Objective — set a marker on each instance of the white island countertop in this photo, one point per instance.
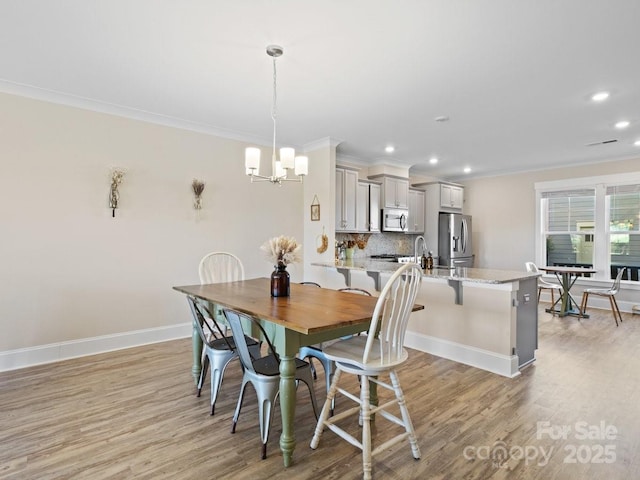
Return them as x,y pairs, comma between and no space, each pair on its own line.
483,317
464,274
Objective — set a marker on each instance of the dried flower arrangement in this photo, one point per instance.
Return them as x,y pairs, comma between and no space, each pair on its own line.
116,179
198,188
282,251
358,239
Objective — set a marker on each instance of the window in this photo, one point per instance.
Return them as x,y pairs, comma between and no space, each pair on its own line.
624,226
592,222
569,226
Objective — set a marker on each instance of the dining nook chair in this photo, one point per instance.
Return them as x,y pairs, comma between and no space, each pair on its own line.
605,292
369,357
218,348
263,372
219,267
315,351
543,284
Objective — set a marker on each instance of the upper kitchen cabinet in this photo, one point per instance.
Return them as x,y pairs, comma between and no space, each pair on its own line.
368,207
443,197
415,223
346,199
451,196
375,192
395,191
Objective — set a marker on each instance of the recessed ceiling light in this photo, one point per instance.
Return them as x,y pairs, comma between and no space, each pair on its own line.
600,96
637,143
623,124
433,160
389,149
467,169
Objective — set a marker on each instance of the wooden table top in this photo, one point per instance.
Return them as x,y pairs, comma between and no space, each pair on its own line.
307,310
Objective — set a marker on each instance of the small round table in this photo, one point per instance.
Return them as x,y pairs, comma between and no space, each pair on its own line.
567,276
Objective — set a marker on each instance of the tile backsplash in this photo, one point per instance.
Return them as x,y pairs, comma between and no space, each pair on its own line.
380,243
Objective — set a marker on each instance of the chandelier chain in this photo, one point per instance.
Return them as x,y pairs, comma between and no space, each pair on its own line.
274,110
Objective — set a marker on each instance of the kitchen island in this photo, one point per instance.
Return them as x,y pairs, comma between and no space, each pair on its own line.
481,317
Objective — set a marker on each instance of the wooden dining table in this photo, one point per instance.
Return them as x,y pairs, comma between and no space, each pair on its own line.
567,276
308,316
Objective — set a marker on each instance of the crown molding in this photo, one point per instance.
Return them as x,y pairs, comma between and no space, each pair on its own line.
52,96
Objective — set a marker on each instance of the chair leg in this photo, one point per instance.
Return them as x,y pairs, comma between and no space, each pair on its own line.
266,393
203,373
326,409
236,414
615,310
408,425
216,383
552,298
365,408
539,292
306,377
583,303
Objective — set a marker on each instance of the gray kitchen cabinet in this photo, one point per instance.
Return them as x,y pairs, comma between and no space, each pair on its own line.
415,222
395,192
368,207
346,199
451,196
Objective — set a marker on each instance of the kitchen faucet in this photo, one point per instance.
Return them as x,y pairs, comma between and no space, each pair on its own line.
415,248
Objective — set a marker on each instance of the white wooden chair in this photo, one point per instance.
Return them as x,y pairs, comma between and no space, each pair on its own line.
315,351
378,353
215,267
605,292
218,267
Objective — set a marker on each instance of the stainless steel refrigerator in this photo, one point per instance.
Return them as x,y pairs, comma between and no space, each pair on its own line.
455,247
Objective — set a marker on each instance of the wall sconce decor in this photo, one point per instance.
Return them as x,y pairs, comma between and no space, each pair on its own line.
116,179
315,209
198,188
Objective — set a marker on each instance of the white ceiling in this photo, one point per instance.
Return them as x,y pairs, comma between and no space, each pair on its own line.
513,76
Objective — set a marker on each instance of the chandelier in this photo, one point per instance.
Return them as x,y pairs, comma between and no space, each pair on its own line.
288,160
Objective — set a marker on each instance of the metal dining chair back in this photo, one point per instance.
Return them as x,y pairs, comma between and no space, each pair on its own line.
263,372
218,349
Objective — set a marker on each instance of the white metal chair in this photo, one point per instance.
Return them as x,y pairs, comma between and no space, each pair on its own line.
369,357
543,284
315,351
264,374
605,292
218,349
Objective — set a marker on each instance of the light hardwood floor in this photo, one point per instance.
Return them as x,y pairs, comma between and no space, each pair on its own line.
133,414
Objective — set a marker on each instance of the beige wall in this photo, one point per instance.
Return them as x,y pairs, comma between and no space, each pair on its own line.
503,210
71,271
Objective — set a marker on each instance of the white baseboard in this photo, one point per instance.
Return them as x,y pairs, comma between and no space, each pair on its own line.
505,365
54,352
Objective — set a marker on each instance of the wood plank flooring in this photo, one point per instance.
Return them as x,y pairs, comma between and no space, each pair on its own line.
133,414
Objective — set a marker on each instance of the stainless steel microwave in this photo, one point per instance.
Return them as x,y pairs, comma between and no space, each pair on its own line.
394,219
